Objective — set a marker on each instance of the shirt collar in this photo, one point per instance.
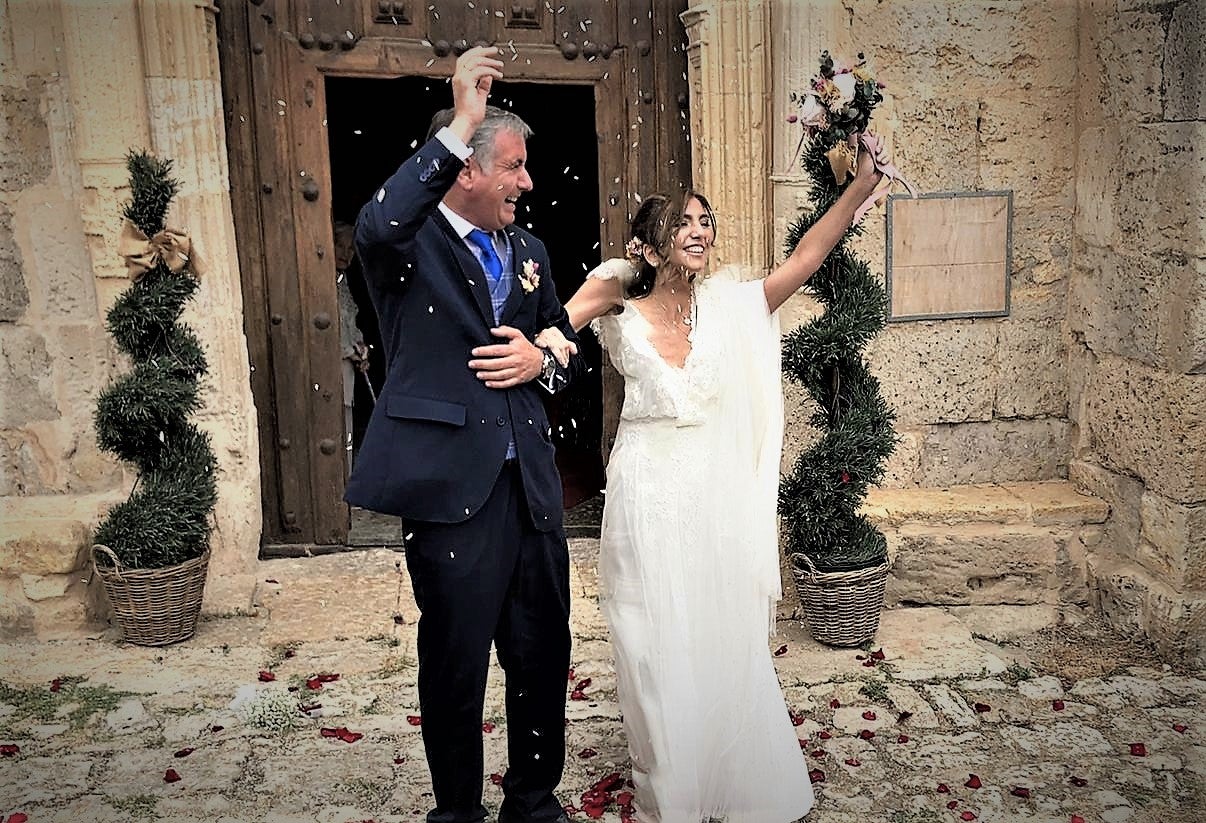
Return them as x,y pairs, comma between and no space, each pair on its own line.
460,225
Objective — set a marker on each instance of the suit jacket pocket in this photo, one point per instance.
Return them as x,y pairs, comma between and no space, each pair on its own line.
421,408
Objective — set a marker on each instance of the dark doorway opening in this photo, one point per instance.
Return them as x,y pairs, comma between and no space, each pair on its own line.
373,125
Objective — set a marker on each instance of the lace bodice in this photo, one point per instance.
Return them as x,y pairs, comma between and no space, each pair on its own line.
654,389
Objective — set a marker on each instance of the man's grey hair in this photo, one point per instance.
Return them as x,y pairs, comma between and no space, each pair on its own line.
482,142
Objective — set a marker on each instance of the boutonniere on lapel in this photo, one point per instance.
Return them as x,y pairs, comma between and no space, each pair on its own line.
529,278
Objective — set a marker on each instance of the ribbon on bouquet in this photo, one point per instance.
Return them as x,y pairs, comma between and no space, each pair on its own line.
883,163
171,247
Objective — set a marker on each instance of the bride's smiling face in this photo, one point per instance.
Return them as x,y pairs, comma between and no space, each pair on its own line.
693,239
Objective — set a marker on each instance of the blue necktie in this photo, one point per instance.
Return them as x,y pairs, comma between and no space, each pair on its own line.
490,261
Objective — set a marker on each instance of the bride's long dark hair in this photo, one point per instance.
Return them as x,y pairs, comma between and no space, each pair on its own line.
656,223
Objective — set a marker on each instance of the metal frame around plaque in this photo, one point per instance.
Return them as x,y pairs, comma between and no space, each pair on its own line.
1008,195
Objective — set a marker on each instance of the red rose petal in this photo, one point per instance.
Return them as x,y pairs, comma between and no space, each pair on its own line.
171,776
904,738
309,707
398,761
1018,791
952,804
609,783
1057,705
496,779
185,752
1076,819
878,654
414,719
487,727
267,677
818,754
835,703
803,744
577,694
1138,750
587,753
824,735
571,675
981,708
9,750
1180,727
56,684
313,684
583,683
973,782
943,788
18,817
816,776
869,664
797,718
967,816
399,620
866,734
625,798
868,715
782,650
216,729
1078,781
852,761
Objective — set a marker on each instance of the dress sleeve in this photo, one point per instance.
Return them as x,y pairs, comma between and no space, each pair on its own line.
621,271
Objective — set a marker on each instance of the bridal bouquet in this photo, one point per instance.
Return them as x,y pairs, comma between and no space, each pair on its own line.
836,108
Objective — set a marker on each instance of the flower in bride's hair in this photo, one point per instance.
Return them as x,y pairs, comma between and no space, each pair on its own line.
634,250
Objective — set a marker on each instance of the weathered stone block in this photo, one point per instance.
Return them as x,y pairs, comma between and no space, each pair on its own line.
1097,184
937,371
1001,451
974,565
902,467
1150,424
49,534
1131,66
1173,541
1184,56
25,136
1142,306
1123,494
1162,175
14,295
50,231
47,586
1031,357
1132,599
26,380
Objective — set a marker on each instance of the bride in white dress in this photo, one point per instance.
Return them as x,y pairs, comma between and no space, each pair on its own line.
689,557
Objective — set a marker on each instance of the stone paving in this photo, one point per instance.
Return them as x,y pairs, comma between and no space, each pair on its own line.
986,714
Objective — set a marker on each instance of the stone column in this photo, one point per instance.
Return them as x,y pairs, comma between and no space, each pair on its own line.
186,123
729,71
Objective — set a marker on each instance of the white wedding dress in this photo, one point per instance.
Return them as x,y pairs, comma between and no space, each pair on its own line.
688,564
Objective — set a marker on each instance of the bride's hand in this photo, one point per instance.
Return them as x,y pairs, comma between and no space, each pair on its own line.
553,340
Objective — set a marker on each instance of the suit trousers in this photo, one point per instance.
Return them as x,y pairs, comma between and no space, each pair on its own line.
493,578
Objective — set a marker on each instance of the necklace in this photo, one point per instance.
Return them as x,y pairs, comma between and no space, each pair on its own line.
680,319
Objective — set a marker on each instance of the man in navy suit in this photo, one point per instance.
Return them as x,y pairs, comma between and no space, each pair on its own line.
460,448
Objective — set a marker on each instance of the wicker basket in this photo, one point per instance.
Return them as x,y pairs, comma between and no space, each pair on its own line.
842,607
154,607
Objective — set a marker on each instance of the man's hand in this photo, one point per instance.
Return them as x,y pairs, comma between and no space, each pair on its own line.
553,340
476,70
505,365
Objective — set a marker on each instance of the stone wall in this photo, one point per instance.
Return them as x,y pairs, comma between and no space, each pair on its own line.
1137,312
71,111
981,96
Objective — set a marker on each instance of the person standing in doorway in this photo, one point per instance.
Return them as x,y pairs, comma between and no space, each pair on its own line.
354,353
459,445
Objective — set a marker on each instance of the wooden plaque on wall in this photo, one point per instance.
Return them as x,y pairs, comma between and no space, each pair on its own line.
949,255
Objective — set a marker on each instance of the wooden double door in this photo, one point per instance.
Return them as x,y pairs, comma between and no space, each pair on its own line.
323,100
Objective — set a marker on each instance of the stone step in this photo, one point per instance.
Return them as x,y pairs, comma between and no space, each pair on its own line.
990,544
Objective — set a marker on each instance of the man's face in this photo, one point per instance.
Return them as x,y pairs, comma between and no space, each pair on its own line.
495,190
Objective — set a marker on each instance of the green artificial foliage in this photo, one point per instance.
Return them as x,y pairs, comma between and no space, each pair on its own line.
820,497
142,416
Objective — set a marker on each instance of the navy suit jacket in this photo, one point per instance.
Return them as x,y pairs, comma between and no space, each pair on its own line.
438,437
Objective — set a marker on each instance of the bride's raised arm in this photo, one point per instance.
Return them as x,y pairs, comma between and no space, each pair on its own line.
602,293
819,240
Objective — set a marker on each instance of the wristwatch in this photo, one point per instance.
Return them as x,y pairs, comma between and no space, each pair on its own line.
548,368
